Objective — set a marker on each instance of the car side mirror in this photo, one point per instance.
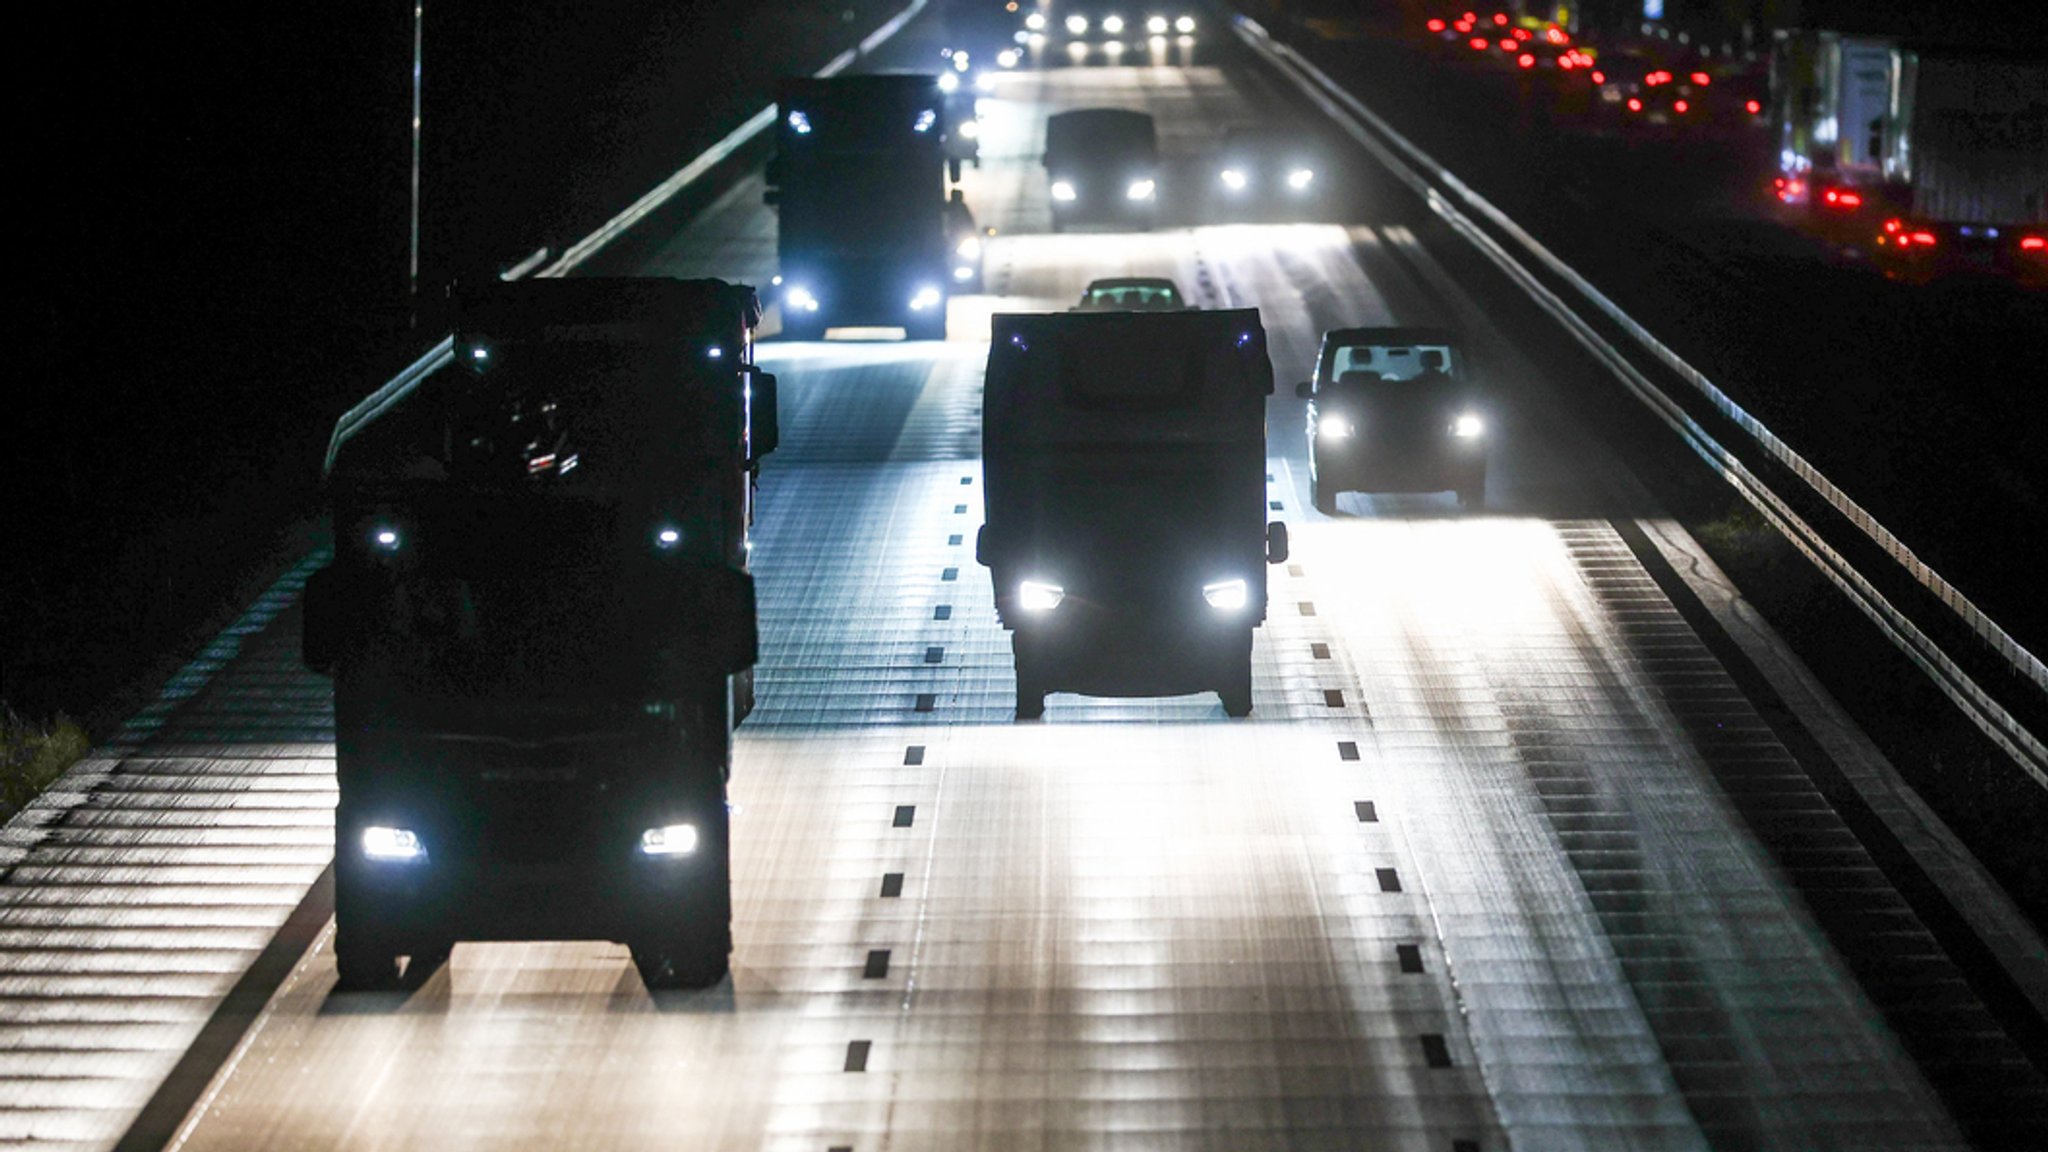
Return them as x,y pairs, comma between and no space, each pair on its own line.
1276,543
1305,389
763,433
321,622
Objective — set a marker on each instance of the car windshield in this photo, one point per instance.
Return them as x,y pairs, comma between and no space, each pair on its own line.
1389,361
1132,296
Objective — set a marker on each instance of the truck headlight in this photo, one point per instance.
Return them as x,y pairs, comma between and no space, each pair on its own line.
1468,427
1062,191
669,840
1225,595
1184,25
381,842
1038,596
1234,179
926,297
1299,178
1139,190
1333,428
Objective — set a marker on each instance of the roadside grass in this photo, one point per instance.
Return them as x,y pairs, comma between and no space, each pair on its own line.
33,755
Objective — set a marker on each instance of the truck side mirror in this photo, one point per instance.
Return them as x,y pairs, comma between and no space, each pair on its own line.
321,625
1305,389
953,168
732,640
983,549
763,432
1276,543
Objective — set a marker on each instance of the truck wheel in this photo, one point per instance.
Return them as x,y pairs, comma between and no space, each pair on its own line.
1030,684
1237,693
364,965
1322,496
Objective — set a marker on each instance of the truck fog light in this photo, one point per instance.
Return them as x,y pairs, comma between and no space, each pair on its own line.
1468,427
1038,596
1333,428
1226,595
669,840
382,843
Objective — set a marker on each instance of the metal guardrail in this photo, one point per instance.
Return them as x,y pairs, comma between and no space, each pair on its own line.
440,355
1444,193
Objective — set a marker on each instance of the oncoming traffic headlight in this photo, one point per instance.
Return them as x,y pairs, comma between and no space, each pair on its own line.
1077,25
1139,190
669,840
1114,25
798,298
1035,21
1299,178
1184,25
1062,191
1225,595
1333,428
925,297
1234,179
386,539
1039,596
1468,426
385,843
1156,25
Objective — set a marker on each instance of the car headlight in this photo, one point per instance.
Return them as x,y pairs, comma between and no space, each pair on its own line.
1468,427
969,248
386,843
1139,190
925,297
963,273
1225,595
1035,21
1299,178
1234,179
1156,25
1114,25
1077,25
1008,57
1062,191
386,538
1333,428
1038,596
669,840
1184,25
986,81
668,537
948,82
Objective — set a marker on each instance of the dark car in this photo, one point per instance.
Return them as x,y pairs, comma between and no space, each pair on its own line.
1394,410
1265,174
1103,168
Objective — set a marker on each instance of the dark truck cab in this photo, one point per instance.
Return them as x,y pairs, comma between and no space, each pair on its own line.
1124,489
541,627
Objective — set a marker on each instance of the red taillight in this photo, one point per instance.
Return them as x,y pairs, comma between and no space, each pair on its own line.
1635,105
1754,107
1702,79
1521,33
2033,244
1479,45
1436,25
1656,78
1469,17
1463,26
1567,63
1599,77
1500,19
1841,198
1510,46
1556,36
1526,60
1681,107
1924,239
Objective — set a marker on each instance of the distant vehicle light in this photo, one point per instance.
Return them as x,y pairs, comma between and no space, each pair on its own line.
1635,105
480,353
1035,21
1225,595
1300,178
382,843
1184,24
1463,27
1039,596
985,81
948,82
1500,19
1468,427
1007,58
1681,107
971,130
385,538
1521,33
1526,60
798,297
925,120
1139,190
1753,106
960,61
1599,77
1114,25
1433,26
800,122
1333,428
1234,179
1924,239
925,297
1557,35
1702,79
963,273
1156,25
1839,198
969,248
1077,25
667,537
2033,244
669,840
1062,191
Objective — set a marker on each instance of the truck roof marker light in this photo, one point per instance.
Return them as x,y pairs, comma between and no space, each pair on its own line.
669,840
1226,595
667,537
799,122
1039,596
384,843
925,120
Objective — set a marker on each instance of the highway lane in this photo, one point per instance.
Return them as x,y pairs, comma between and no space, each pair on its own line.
1465,876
